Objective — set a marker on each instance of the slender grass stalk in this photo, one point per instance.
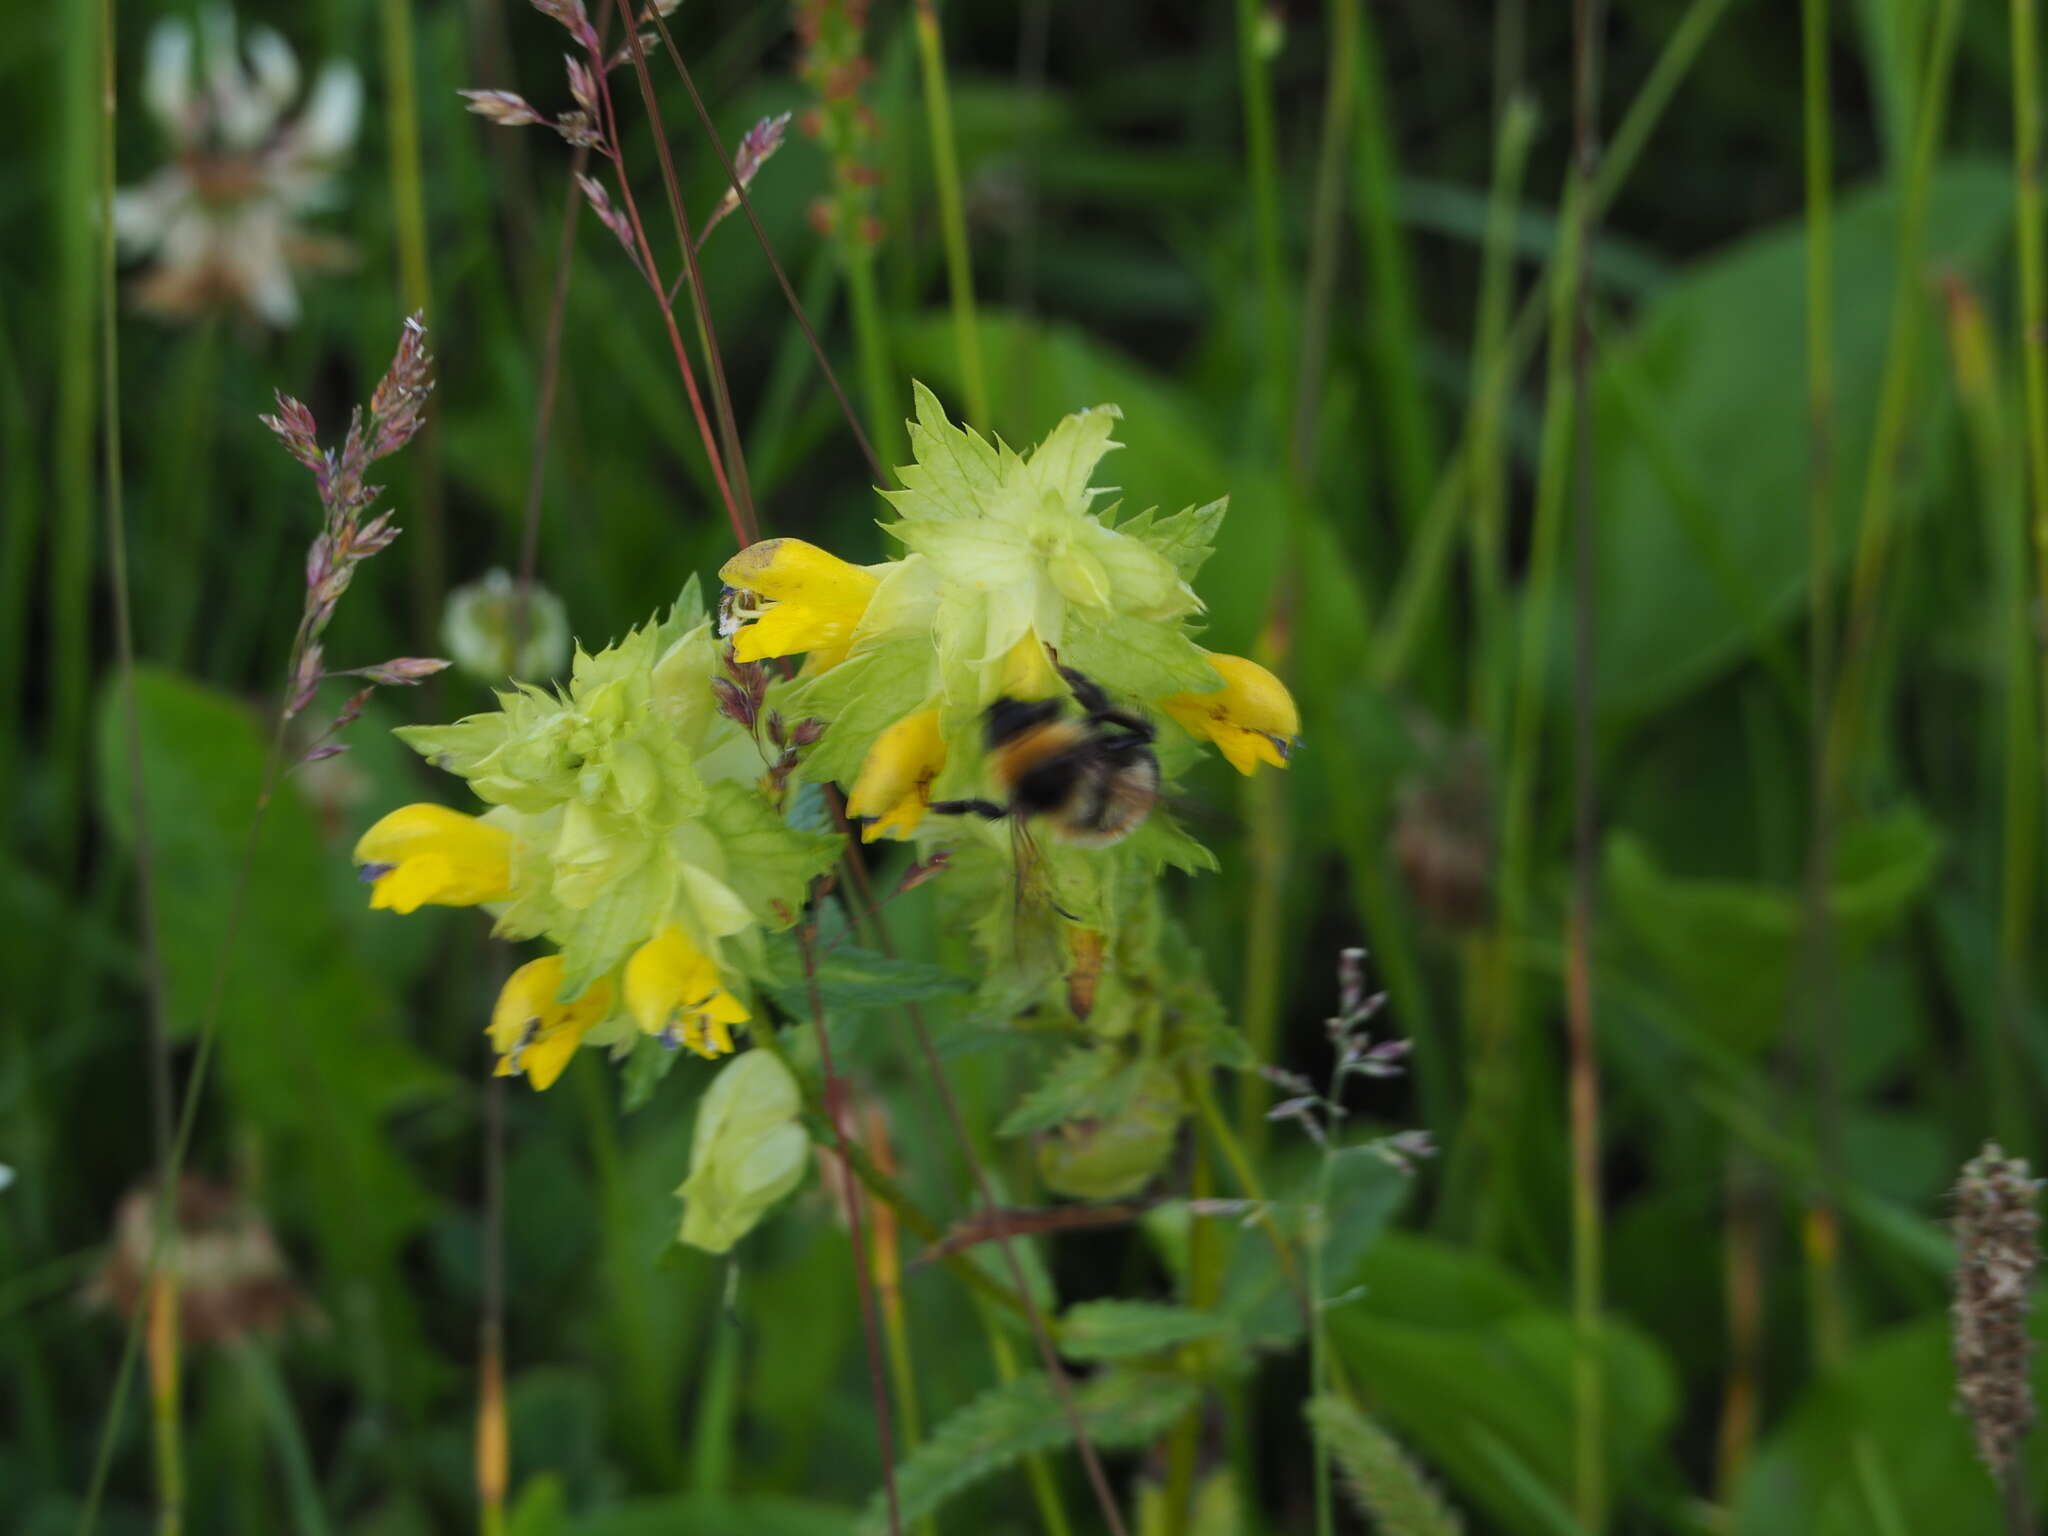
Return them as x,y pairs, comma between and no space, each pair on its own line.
1393,328
161,1304
1895,407
70,526
18,543
2033,254
1513,135
2009,737
1483,957
938,110
1325,226
409,213
1262,166
711,1449
871,347
700,301
1269,844
1419,586
1743,1282
651,271
870,343
1588,1237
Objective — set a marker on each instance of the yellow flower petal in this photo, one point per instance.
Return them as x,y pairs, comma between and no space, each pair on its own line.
1025,672
895,781
815,600
1251,718
673,991
532,1032
421,854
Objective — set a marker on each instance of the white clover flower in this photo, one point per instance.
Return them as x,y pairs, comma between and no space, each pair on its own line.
221,222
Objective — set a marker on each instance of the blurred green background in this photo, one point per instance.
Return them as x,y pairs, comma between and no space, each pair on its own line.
1338,319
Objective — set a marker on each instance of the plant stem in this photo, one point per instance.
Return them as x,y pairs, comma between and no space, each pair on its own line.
161,1295
2033,253
931,57
1587,1234
1895,402
1262,166
1420,583
409,211
1410,440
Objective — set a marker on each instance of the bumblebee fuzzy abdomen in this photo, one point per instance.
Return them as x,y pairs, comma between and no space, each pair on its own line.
1037,765
1110,800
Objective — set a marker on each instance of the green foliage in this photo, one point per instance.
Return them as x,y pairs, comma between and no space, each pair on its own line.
1124,1330
311,1053
1119,1408
1385,1485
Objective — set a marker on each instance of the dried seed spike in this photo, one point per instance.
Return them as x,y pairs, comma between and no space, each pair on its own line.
1998,1250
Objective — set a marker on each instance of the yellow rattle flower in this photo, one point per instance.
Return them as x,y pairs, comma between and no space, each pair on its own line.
895,781
1251,718
815,600
427,854
534,1034
674,992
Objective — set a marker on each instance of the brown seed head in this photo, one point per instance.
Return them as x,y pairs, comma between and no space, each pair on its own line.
1997,1233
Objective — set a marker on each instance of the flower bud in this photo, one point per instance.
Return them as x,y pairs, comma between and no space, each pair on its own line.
483,630
749,1152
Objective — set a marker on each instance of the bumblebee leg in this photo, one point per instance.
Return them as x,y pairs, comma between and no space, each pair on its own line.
987,810
1087,692
1140,729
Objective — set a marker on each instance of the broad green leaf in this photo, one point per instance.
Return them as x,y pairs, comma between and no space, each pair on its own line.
311,1053
1728,949
1884,1426
851,979
1701,423
1119,1408
1082,1082
1448,1346
1122,1330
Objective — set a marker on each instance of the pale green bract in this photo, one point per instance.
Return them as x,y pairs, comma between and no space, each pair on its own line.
1000,545
749,1151
632,803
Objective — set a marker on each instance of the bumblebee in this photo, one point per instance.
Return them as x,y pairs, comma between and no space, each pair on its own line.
1093,780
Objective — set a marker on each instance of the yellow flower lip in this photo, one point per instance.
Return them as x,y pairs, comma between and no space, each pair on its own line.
534,1034
421,855
1252,718
894,785
815,600
674,993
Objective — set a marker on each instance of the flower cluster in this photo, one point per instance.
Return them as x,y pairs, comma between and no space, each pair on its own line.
1011,576
221,222
630,825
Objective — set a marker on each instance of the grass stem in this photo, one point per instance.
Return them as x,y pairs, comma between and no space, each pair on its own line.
938,108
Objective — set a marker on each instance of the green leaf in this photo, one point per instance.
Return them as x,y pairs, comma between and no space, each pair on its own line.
768,862
852,979
1883,1426
1148,661
1119,1408
1259,1290
859,699
1122,1330
311,1055
1187,538
1701,416
1386,1486
1455,1350
1081,1083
